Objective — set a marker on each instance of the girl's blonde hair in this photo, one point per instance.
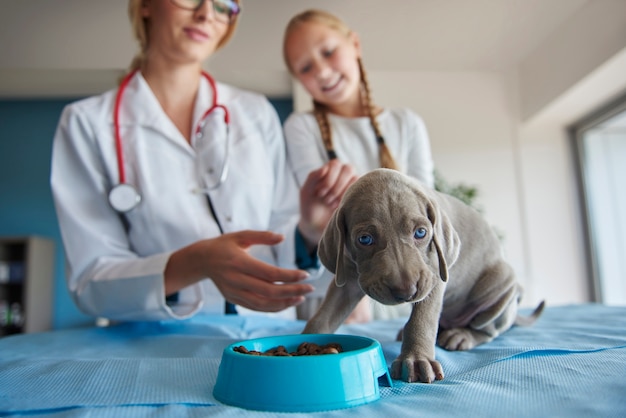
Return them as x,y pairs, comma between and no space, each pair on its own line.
320,111
140,31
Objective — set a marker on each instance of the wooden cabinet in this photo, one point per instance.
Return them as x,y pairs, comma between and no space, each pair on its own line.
26,284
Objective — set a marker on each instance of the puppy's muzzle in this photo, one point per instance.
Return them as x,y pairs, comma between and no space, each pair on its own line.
407,293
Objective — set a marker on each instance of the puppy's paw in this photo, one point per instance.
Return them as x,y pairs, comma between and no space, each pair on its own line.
458,339
416,368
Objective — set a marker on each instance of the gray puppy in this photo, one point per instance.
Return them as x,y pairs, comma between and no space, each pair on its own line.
400,242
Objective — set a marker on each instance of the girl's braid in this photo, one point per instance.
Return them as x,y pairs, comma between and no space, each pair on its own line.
321,116
386,159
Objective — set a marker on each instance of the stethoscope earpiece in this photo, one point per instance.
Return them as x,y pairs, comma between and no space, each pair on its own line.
123,197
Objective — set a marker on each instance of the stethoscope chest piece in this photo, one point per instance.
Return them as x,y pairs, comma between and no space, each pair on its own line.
124,197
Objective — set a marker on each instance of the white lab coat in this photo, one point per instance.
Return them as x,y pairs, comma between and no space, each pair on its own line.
115,262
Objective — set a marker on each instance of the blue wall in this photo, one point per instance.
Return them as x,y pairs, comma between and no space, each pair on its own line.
26,208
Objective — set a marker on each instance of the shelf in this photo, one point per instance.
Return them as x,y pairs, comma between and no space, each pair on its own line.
26,283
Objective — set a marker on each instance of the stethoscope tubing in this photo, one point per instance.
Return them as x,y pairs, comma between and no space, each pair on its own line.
123,196
116,124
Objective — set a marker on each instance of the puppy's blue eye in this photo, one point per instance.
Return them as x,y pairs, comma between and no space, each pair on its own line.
366,239
419,233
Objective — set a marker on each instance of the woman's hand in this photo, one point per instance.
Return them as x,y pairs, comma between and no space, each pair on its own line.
241,278
320,196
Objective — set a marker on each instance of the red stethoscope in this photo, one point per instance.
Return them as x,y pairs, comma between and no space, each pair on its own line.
123,197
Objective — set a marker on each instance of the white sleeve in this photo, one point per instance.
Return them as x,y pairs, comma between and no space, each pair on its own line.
305,150
105,277
420,157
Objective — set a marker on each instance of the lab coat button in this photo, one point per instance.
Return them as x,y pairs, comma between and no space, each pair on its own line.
229,219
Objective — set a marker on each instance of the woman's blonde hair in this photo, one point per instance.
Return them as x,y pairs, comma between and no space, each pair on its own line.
320,111
140,31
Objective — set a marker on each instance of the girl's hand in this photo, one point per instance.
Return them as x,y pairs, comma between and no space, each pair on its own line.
241,278
320,196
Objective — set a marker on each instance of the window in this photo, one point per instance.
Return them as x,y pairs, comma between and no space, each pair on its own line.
600,146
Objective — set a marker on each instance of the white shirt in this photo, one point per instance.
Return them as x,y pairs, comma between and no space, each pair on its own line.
115,262
354,142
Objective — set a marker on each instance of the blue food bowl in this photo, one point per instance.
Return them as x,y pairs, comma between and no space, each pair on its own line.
302,383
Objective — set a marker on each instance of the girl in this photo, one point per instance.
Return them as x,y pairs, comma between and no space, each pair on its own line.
167,188
324,55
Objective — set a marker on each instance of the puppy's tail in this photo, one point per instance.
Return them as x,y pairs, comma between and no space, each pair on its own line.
526,321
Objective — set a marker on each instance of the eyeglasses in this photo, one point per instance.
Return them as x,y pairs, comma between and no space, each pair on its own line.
225,11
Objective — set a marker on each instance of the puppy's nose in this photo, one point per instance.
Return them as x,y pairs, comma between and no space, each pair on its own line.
405,293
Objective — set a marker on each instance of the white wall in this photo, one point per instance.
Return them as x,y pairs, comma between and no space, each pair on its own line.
549,182
580,45
77,48
575,71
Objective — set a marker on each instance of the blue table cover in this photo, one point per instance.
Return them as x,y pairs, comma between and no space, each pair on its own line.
571,363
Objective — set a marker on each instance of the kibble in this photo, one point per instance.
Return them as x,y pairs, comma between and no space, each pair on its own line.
304,349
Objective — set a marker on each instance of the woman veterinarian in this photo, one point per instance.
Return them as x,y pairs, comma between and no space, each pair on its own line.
167,188
324,55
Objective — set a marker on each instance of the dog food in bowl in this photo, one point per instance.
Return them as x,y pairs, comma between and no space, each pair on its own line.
304,349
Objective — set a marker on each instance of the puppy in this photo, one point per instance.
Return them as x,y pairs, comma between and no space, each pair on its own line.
400,242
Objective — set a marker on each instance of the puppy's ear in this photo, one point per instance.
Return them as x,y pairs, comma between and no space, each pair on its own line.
331,250
445,239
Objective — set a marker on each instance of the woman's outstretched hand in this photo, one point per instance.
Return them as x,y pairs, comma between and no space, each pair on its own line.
241,278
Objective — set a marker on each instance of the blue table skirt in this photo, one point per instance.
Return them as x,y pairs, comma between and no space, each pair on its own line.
572,362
